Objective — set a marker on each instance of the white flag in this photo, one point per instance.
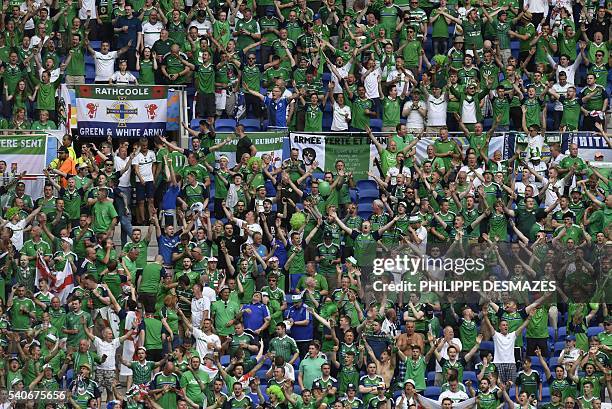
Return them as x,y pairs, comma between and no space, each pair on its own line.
64,282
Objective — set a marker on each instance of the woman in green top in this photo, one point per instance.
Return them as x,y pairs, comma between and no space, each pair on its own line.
21,98
255,177
314,112
146,65
170,321
20,121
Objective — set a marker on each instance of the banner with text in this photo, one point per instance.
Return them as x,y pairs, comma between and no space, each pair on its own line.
325,150
266,142
121,110
589,144
25,153
358,152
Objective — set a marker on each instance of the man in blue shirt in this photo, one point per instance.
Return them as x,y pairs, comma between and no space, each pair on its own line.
277,106
301,324
256,316
128,28
167,241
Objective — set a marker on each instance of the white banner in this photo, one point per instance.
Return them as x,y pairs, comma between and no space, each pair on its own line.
266,142
121,111
358,152
25,153
590,144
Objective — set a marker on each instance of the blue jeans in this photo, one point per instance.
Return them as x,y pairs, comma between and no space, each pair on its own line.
125,218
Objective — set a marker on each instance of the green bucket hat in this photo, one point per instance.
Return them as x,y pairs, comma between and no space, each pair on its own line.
10,213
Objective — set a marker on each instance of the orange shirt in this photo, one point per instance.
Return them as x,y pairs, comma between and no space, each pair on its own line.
69,168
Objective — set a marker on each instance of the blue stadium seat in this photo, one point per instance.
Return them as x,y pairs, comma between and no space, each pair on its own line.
561,331
559,345
487,346
470,376
195,123
318,175
95,45
353,195
364,207
368,194
431,377
432,392
225,125
365,215
225,360
376,124
545,394
592,331
366,201
553,361
251,125
366,184
536,365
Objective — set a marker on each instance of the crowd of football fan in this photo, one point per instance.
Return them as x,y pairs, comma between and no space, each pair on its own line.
297,62
259,292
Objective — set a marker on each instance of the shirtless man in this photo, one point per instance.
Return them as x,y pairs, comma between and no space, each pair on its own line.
385,366
406,340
